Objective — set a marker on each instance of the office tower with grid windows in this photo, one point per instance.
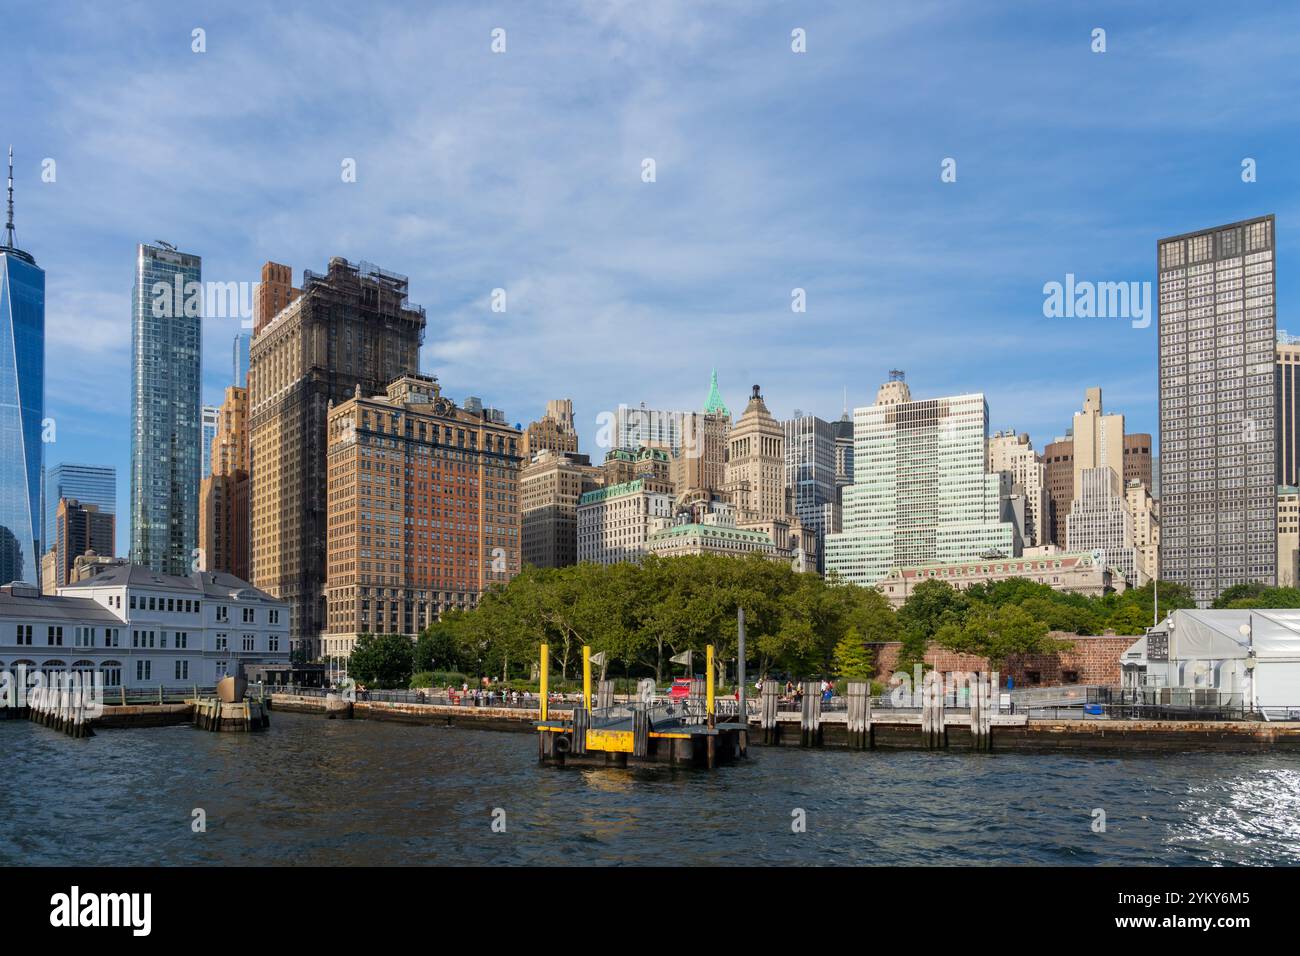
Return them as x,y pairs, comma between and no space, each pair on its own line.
810,475
1218,443
921,492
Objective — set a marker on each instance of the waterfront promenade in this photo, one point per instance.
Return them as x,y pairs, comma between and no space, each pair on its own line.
893,728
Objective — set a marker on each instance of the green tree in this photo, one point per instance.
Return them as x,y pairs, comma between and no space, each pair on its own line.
1129,619
1232,596
999,633
382,661
436,649
853,661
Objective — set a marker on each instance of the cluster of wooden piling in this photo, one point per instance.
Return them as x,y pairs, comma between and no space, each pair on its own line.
61,708
861,724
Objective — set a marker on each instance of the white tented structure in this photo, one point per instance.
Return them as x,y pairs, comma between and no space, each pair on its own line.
1248,659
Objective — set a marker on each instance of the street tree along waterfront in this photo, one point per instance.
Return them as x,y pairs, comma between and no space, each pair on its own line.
641,614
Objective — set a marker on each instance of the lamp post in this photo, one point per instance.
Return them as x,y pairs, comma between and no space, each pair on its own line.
1247,631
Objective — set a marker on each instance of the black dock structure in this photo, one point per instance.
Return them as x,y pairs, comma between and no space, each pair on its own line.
683,733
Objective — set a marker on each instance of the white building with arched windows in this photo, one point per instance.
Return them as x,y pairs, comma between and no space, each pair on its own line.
141,629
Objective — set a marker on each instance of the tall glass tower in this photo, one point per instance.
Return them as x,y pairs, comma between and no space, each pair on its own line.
22,403
166,305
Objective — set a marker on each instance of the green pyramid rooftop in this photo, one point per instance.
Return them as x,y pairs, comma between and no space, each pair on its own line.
714,404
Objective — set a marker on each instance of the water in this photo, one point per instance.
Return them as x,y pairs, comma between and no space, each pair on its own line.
338,792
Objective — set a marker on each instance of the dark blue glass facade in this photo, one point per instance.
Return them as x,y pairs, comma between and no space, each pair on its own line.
22,410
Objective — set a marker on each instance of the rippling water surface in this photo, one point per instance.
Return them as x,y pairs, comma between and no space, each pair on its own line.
315,791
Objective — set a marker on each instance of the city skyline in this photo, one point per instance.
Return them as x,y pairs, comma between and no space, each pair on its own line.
881,245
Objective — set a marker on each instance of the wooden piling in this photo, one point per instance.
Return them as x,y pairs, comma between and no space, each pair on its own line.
604,694
811,718
859,715
933,728
981,714
767,713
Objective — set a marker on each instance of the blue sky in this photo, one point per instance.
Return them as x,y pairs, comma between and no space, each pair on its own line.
775,170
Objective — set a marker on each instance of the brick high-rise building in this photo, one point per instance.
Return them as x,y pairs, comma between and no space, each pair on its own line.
1218,395
1138,459
350,328
274,292
1058,475
223,497
80,527
423,510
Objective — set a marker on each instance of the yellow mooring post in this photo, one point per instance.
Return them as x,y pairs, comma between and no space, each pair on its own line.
709,678
586,677
546,661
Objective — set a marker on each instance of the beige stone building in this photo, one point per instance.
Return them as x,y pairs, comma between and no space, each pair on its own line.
755,467
1288,536
554,431
352,327
1146,526
1062,571
550,487
626,464
423,504
1098,438
1013,454
615,522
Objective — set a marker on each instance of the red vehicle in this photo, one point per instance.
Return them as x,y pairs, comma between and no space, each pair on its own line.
681,689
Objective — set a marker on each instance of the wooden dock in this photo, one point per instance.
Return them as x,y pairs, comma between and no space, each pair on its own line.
860,727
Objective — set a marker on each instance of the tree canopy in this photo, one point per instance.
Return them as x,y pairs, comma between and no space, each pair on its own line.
641,614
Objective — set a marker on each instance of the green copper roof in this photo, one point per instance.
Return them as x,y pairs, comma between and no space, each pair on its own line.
714,404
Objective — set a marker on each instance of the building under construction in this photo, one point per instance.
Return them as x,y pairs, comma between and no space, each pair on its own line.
350,328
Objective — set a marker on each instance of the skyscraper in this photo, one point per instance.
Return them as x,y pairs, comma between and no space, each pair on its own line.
1218,454
211,420
90,484
22,404
81,527
920,491
555,430
810,474
223,495
423,510
166,306
1013,454
352,328
1288,409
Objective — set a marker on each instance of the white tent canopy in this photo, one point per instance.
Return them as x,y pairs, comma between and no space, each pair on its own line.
1217,635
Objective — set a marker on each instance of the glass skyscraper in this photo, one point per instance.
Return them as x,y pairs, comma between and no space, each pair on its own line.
166,305
89,484
22,404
